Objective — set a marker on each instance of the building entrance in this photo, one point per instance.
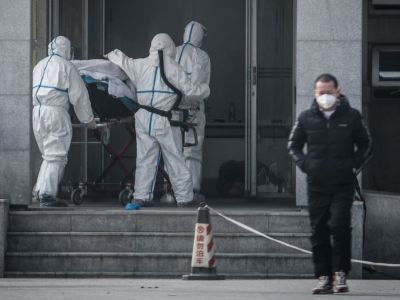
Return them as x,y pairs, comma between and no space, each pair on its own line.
250,109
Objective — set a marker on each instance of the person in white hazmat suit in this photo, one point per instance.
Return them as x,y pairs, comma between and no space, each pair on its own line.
196,64
56,83
154,134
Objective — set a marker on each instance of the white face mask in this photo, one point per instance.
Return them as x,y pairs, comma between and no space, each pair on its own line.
326,101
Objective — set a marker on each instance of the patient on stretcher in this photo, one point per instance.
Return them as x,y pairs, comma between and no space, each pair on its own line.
111,93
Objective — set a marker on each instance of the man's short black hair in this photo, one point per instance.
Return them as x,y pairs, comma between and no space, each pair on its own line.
326,77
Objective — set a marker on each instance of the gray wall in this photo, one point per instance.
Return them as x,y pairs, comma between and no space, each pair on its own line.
15,99
329,40
357,238
382,235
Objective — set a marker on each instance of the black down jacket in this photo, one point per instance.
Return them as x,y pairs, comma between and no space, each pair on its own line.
335,146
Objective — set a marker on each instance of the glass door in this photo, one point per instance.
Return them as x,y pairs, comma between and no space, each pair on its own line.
82,21
269,97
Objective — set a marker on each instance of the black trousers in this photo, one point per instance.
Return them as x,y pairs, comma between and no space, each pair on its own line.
330,218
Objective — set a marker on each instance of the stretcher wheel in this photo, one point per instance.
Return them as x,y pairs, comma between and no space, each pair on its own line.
125,196
77,196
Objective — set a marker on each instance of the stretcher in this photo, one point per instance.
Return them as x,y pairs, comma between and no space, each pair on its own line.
110,111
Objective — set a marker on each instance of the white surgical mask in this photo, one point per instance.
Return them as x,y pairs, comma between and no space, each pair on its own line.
326,101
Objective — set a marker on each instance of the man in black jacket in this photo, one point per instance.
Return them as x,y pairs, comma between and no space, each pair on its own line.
337,144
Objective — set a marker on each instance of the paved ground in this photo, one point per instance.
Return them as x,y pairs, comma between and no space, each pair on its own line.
161,289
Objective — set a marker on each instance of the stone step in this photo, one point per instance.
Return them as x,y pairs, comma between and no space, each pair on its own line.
156,263
152,243
157,275
142,242
152,221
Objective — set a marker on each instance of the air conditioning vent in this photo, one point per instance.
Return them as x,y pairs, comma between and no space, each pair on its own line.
386,66
386,3
385,6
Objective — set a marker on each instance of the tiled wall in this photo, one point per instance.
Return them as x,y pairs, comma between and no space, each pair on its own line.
328,40
15,99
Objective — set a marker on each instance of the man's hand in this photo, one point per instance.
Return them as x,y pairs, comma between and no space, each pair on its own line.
91,124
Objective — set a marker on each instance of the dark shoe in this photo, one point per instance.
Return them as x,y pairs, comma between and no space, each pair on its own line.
148,203
168,200
193,203
199,197
143,203
59,203
35,197
44,203
46,200
340,285
324,286
51,201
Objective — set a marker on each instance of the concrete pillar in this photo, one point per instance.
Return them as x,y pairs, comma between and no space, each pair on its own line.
357,224
4,204
15,101
328,40
382,235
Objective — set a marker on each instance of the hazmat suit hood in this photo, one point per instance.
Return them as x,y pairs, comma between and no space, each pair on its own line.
162,41
194,34
60,46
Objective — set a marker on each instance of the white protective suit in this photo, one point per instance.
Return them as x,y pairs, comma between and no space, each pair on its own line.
56,82
154,134
196,63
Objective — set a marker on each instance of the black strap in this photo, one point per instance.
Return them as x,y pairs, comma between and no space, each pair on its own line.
170,85
157,111
185,126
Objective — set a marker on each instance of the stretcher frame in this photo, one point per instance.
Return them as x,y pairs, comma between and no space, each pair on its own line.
102,134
